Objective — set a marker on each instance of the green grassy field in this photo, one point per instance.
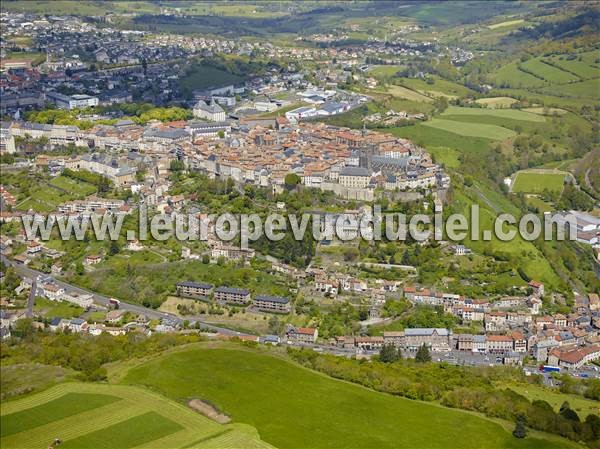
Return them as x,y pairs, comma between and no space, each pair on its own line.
469,129
62,407
293,407
24,378
509,75
53,309
385,71
203,77
525,254
506,24
545,111
434,137
131,432
80,8
548,72
439,87
584,89
45,196
496,102
408,94
73,186
531,182
580,68
113,417
541,205
511,114
582,406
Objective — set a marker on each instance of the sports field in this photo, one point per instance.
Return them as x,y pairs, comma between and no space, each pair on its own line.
294,407
383,71
532,182
113,416
471,129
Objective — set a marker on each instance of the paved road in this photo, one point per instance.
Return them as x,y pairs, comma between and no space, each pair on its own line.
31,300
104,301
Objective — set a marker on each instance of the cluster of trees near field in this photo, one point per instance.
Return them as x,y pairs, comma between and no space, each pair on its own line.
467,388
140,113
82,352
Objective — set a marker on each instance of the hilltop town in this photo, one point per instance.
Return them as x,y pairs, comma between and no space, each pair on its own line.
119,119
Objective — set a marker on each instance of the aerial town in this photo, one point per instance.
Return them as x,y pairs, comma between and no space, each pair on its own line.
204,109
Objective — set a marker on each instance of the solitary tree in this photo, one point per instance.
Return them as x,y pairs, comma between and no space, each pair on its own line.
292,180
389,354
520,429
567,412
423,354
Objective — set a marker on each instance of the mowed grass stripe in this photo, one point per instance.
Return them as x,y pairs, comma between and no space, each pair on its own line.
135,401
493,132
73,426
129,433
68,405
236,439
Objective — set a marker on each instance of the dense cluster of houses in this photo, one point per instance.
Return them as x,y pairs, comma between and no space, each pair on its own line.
350,163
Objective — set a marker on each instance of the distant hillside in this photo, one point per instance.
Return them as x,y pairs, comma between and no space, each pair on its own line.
588,21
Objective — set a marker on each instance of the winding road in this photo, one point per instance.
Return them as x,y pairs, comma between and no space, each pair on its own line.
104,301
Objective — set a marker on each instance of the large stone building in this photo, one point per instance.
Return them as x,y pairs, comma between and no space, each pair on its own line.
212,111
436,339
354,177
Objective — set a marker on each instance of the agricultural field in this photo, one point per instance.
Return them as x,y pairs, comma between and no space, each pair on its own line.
113,416
471,129
496,102
550,99
510,75
579,68
511,114
545,111
80,8
328,412
438,138
404,92
438,88
547,72
583,89
535,182
508,23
